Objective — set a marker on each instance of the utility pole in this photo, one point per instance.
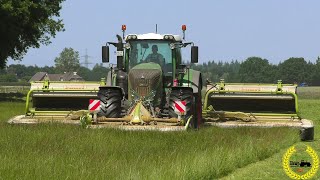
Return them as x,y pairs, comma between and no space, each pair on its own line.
86,61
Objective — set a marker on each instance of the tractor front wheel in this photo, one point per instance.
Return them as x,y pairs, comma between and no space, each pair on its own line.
110,99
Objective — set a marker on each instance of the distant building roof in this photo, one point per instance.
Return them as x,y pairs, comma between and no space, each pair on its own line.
38,76
72,77
68,76
55,77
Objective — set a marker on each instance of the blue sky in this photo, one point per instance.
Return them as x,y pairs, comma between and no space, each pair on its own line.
223,29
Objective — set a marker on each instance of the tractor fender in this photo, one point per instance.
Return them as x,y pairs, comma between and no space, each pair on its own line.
109,79
195,78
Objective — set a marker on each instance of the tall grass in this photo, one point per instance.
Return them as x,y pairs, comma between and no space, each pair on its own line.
56,151
311,92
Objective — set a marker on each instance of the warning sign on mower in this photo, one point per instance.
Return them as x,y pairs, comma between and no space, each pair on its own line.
180,107
94,105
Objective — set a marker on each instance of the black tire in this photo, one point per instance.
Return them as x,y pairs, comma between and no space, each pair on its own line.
198,110
307,133
110,102
183,94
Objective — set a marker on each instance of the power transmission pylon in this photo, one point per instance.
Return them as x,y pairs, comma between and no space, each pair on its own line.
86,61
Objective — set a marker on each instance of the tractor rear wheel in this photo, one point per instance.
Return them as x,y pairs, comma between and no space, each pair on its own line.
183,94
110,102
198,110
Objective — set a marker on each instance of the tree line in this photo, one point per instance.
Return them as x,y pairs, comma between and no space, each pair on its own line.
22,73
252,70
259,70
67,61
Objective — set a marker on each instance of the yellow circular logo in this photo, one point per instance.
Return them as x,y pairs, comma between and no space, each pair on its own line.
287,163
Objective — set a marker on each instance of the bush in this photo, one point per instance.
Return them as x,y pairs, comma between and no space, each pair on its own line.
8,78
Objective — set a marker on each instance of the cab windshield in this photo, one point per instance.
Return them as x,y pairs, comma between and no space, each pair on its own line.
150,51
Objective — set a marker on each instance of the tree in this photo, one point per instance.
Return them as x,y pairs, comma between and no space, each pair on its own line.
234,72
316,73
68,61
8,78
48,69
294,70
27,24
18,69
256,70
85,73
98,72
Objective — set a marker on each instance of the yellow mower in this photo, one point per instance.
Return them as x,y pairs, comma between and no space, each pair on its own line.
57,101
255,105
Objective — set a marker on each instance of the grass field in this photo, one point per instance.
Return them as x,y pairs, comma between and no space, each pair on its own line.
55,151
271,168
311,92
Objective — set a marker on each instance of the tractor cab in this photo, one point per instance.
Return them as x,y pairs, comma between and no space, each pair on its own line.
153,51
156,51
164,50
154,58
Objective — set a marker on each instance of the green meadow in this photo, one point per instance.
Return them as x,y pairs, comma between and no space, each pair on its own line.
59,151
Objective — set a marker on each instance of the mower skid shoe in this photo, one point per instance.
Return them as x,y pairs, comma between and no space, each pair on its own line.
307,133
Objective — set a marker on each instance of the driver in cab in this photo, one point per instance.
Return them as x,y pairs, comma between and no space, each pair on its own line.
155,56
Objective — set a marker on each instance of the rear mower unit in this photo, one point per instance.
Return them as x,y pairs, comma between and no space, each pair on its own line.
255,105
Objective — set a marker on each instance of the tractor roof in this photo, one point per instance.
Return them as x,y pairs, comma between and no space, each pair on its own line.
152,36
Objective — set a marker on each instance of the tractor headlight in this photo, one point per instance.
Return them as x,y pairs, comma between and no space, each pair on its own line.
131,37
168,37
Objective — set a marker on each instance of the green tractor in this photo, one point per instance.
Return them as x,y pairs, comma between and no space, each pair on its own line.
150,87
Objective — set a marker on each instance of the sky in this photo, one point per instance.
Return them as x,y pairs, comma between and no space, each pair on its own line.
224,30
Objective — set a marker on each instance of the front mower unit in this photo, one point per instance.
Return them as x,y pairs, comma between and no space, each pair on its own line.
139,118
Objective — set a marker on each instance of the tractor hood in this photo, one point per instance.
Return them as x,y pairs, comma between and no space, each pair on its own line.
147,66
145,78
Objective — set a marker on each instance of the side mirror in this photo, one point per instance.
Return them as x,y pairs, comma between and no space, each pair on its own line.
194,54
105,54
